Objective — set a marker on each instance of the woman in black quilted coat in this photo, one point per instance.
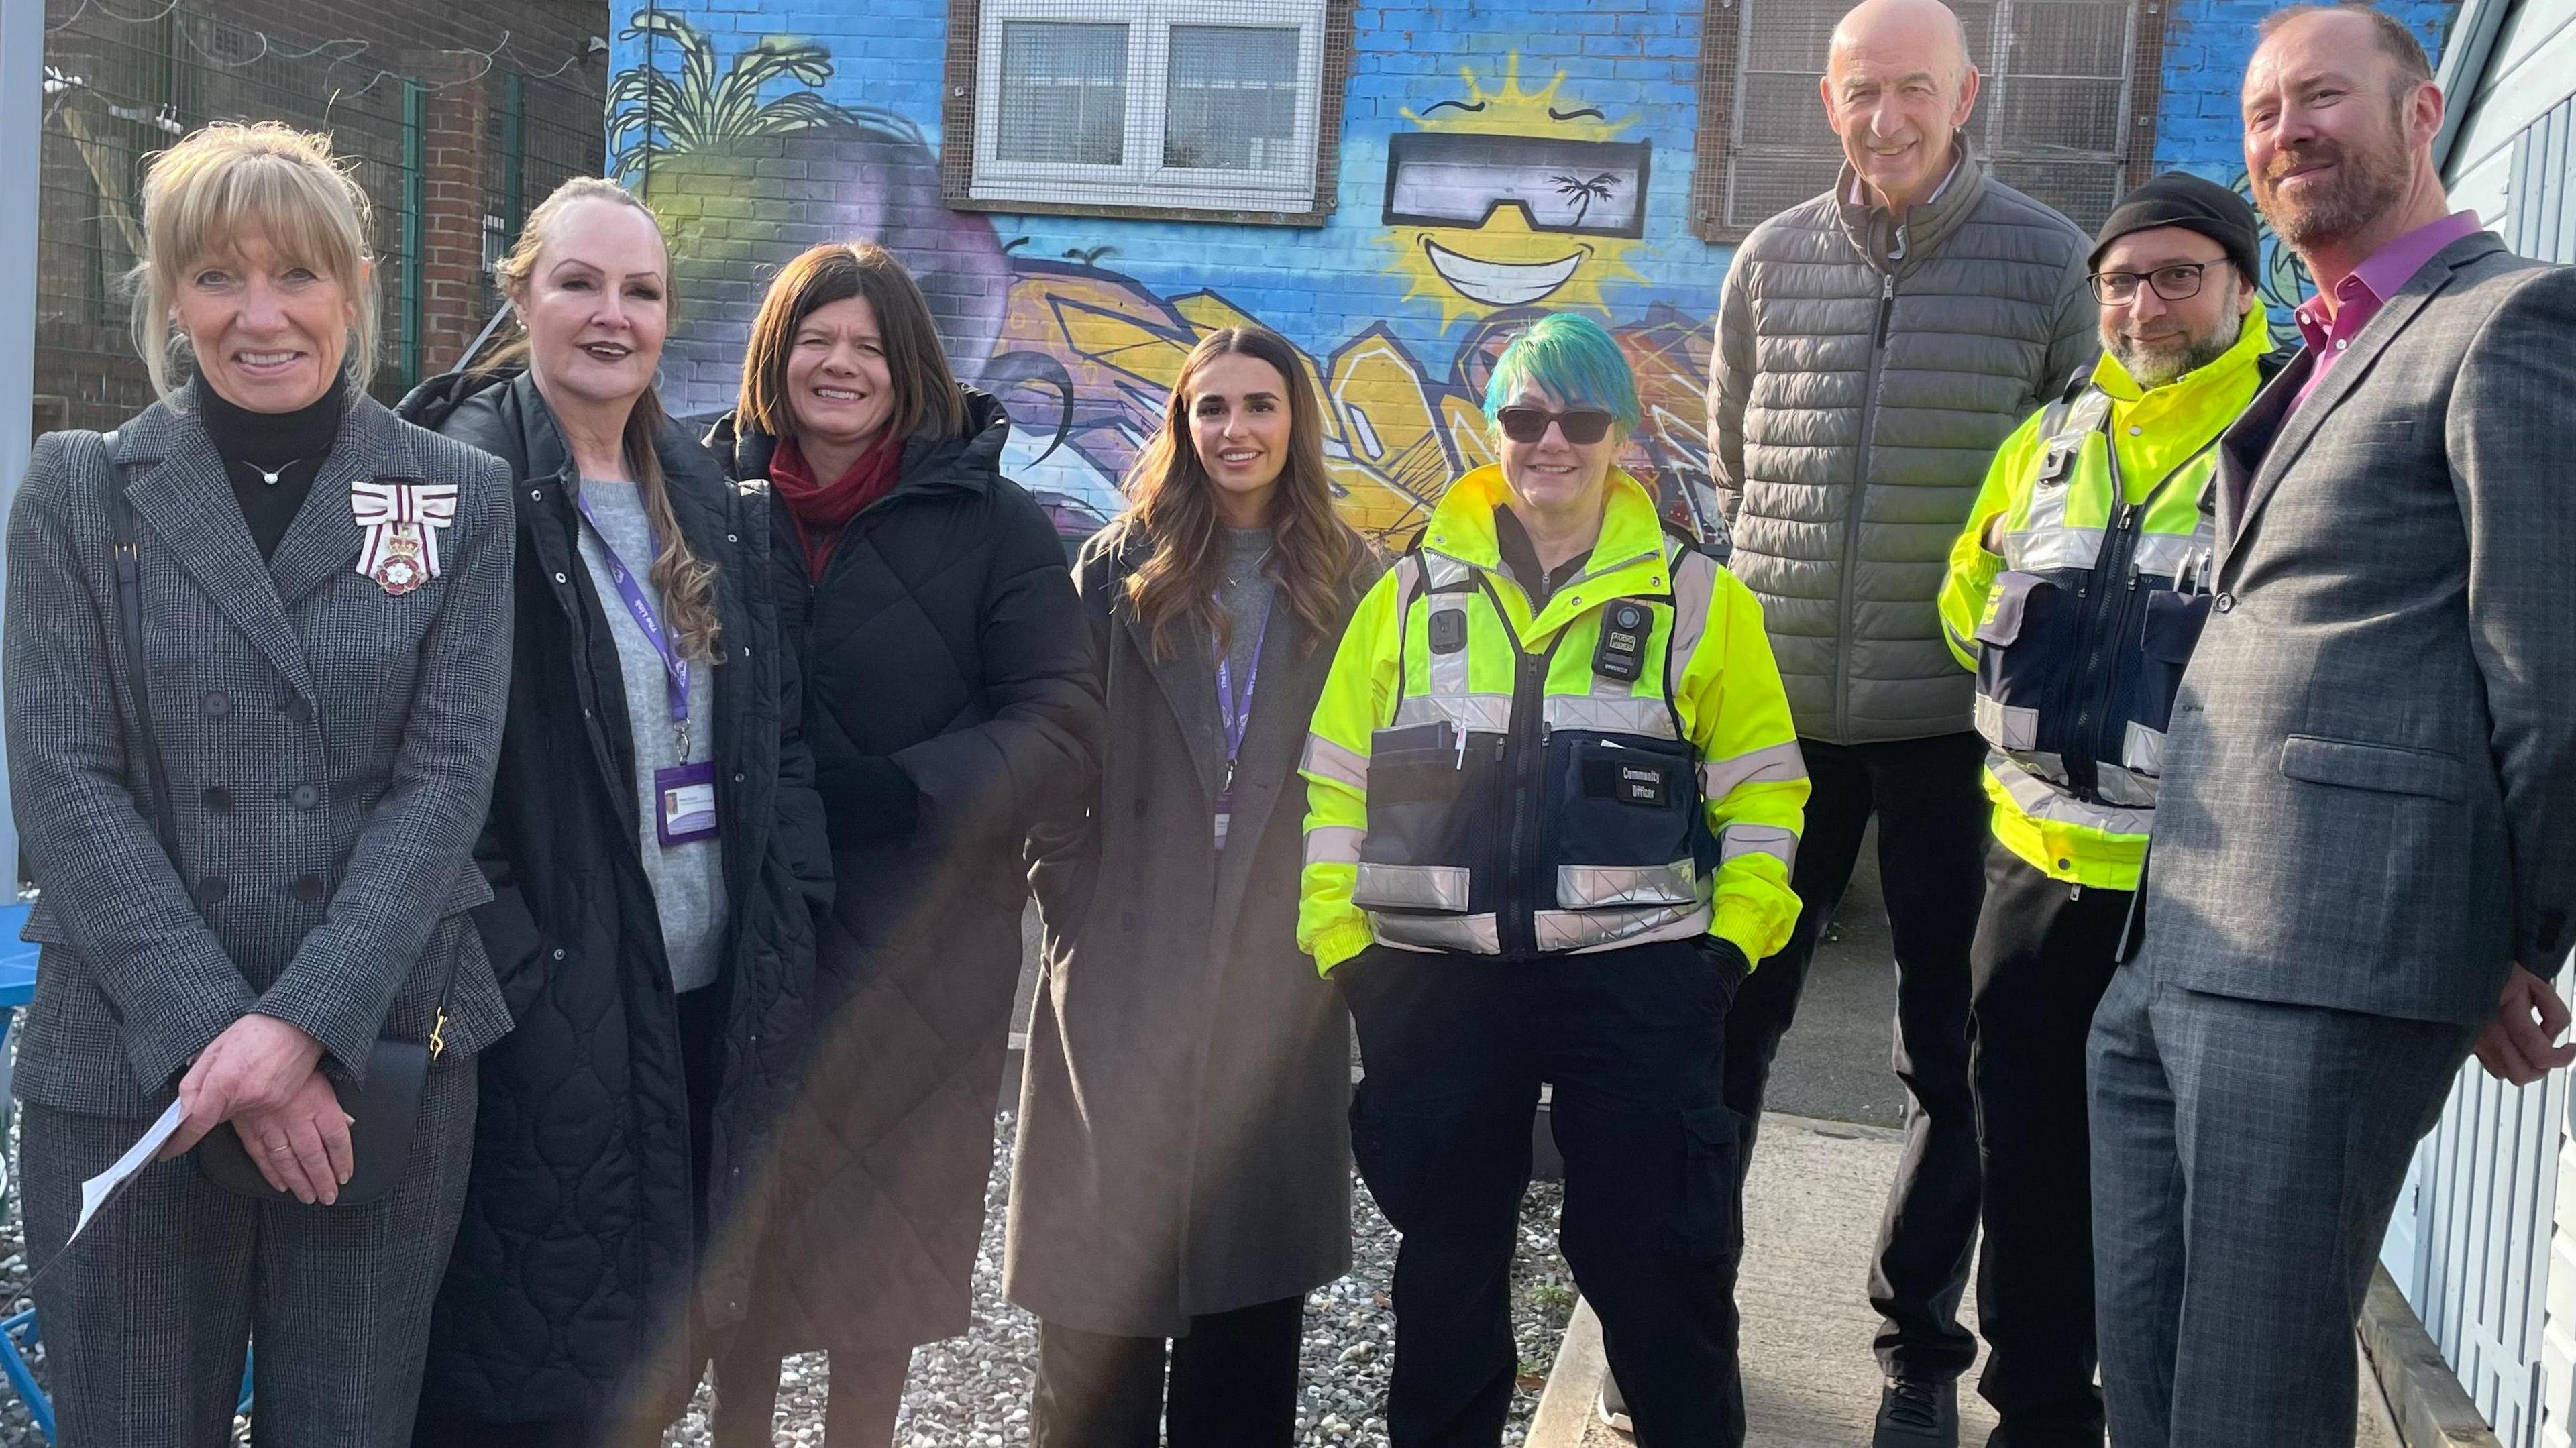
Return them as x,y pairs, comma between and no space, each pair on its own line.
660,979
950,709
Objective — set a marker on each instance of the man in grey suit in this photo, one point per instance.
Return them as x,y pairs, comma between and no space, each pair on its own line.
2366,847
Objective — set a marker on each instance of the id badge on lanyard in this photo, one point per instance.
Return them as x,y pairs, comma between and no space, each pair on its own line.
685,803
684,795
1234,713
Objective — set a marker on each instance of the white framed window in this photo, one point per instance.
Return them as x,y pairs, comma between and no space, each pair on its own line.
1149,104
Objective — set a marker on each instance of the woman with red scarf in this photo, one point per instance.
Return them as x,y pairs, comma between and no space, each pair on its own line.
950,708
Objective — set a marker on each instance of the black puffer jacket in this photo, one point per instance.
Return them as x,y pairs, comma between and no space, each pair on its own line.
576,1252
945,635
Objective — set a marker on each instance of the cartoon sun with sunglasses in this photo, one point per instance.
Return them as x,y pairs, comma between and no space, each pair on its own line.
1513,198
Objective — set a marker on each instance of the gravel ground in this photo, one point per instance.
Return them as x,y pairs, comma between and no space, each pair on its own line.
973,1392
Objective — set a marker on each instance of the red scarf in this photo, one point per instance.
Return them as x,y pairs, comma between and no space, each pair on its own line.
822,510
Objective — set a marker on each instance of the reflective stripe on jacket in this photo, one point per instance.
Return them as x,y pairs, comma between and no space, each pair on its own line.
2080,628
1479,781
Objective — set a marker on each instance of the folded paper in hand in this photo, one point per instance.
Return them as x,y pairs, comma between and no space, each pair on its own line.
103,1188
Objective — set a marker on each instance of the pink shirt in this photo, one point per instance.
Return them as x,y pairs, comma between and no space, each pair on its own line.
2359,296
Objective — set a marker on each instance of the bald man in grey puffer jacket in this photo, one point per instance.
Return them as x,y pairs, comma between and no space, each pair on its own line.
1874,346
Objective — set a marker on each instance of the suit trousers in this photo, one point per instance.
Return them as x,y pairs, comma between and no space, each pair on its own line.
146,1318
1455,1049
2246,1156
1932,830
1232,1383
2045,953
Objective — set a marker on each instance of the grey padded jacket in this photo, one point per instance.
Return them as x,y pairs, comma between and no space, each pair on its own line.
1853,386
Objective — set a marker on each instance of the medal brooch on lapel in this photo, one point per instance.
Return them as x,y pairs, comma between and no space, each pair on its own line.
401,522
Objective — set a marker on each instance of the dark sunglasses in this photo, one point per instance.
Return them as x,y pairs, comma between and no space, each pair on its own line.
1528,424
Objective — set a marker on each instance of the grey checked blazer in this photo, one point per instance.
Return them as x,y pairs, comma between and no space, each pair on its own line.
2370,784
329,750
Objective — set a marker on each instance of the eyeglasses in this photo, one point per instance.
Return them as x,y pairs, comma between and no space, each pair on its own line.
2177,283
1528,424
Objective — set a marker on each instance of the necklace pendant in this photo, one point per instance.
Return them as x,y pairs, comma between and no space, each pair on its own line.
269,478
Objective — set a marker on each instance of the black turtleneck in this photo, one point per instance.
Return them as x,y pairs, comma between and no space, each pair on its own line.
252,444
1520,559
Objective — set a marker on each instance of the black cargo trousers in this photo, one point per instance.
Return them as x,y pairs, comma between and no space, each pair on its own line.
1455,1048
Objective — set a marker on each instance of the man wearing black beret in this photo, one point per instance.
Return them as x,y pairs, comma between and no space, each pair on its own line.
2075,593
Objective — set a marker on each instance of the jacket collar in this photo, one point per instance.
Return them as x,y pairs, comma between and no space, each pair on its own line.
2275,429
177,486
970,459
1872,230
1628,558
2194,388
1266,768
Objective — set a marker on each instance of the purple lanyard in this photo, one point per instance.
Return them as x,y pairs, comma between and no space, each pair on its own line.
675,669
1234,713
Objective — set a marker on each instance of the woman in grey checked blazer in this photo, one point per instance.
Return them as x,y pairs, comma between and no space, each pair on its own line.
323,595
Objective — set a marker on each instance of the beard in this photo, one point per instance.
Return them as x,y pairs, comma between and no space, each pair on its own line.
2366,182
2154,365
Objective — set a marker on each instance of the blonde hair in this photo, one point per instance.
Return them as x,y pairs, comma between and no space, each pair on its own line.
686,582
222,180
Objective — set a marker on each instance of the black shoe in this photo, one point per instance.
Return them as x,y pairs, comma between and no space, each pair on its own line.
1917,1413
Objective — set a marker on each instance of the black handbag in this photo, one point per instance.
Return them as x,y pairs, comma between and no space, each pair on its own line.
382,1112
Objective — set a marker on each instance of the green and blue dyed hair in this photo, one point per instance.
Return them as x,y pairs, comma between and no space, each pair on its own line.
1572,359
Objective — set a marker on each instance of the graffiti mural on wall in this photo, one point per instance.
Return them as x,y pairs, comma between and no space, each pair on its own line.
1510,198
1091,356
1500,205
2285,281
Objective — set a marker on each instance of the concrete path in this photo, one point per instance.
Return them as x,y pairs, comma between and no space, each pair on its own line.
1811,1214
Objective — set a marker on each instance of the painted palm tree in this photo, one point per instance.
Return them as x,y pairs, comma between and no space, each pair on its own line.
1583,191
684,103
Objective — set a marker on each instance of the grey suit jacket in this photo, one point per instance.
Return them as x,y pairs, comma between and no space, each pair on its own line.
329,750
2369,794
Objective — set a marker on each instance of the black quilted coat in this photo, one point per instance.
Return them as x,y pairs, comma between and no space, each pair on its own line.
568,1292
945,634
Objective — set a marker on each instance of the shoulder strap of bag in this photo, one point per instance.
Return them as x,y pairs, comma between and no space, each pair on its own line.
147,744
129,613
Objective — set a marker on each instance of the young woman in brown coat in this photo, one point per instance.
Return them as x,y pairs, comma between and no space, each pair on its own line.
1182,1171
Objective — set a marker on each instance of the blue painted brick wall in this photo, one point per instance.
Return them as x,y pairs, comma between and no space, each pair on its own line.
1080,322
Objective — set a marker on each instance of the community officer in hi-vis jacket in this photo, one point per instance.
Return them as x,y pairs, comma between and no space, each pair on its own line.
2076,593
1554,798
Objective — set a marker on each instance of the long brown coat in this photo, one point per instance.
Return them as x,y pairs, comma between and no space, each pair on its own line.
1183,1148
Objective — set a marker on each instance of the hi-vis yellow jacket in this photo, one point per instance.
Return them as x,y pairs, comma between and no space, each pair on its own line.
2077,629
1616,769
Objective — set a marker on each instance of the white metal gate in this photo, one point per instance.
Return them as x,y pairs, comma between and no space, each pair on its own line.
2540,218
2486,1181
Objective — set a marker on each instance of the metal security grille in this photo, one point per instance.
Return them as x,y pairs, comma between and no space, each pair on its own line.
1231,104
2053,115
119,89
1064,93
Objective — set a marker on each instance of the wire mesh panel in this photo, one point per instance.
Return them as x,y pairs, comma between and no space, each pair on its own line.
1064,92
119,88
2052,114
1233,97
537,134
